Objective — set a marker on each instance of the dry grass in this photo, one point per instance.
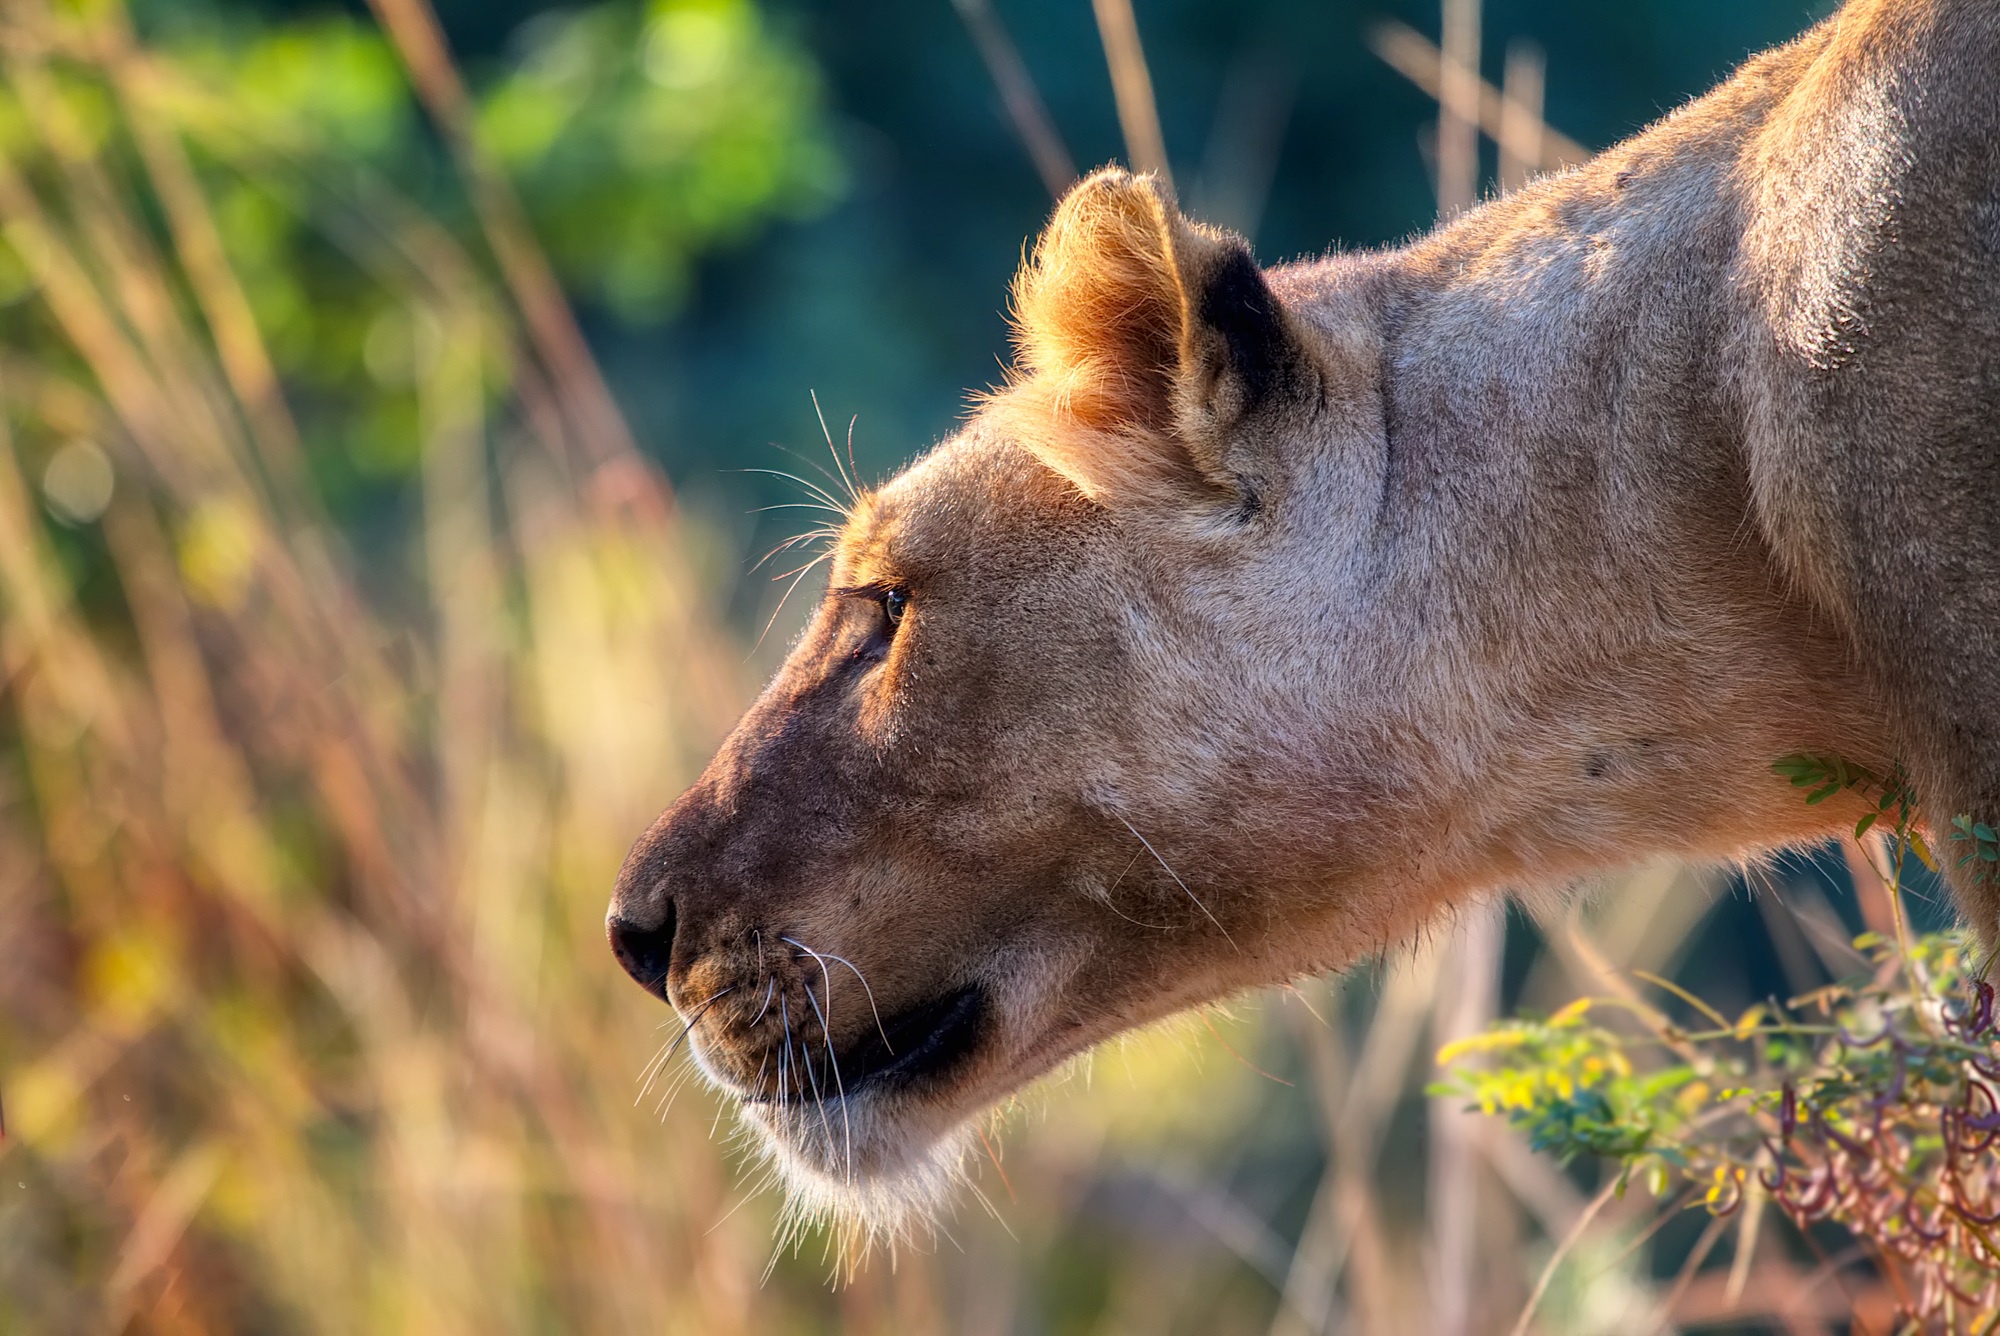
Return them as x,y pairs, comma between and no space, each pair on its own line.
307,1014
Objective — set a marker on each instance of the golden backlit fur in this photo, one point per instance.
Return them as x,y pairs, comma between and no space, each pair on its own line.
1265,615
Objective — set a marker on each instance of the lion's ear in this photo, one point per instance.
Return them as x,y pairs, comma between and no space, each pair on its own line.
1153,340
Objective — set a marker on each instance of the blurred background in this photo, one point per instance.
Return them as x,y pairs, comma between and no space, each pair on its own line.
384,391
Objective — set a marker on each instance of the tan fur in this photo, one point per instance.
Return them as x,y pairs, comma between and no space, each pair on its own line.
1266,614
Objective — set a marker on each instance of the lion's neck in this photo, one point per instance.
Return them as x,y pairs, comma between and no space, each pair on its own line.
1581,636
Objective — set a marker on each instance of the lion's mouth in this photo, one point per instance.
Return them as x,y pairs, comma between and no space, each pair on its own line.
911,1048
922,1043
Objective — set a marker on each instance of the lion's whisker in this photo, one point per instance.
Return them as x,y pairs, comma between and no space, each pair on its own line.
784,1053
808,1080
1112,890
1178,882
650,1072
805,1061
659,1064
658,1054
720,1107
797,576
741,1202
843,960
770,990
846,478
833,1058
673,1092
812,489
825,534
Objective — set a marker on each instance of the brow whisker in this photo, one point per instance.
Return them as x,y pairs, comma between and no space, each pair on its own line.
812,488
1178,882
795,505
827,535
813,463
853,473
800,570
797,576
846,479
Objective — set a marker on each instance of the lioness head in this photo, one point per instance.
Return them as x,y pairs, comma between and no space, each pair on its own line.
1114,705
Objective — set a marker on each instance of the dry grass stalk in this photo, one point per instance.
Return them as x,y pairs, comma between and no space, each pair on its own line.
1025,109
309,888
1418,59
1458,92
1132,83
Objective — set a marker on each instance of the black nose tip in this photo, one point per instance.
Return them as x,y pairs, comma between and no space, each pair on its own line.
644,952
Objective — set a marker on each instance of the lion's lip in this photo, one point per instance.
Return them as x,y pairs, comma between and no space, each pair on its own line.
922,1042
912,1047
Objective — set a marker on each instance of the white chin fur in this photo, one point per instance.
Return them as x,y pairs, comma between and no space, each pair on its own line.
871,1178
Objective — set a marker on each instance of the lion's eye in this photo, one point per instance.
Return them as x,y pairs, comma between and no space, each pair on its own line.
894,603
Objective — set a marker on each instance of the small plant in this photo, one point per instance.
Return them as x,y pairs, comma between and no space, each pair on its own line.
1982,861
1872,1104
1823,777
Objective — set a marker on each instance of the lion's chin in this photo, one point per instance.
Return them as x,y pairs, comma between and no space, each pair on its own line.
873,1175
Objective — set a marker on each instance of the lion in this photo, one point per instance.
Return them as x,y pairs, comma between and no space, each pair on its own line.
1265,615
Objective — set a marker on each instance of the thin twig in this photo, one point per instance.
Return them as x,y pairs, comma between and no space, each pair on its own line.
1597,1203
1663,1319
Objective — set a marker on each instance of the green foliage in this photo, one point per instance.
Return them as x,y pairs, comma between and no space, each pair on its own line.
1982,861
639,137
1872,1104
1824,777
643,138
1571,1087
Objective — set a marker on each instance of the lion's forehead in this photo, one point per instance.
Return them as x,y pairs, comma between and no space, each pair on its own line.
972,498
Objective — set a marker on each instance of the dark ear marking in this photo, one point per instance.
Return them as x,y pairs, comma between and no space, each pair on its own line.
1236,303
1250,498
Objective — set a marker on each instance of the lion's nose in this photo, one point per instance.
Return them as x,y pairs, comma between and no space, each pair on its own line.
644,952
